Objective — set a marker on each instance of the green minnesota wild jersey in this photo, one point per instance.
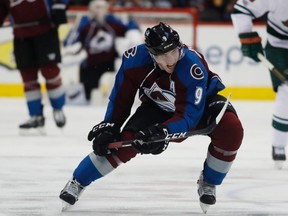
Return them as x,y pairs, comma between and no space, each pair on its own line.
277,23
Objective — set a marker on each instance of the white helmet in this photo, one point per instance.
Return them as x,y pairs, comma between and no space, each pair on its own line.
98,9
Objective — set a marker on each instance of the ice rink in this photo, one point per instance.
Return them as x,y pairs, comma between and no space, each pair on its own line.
35,168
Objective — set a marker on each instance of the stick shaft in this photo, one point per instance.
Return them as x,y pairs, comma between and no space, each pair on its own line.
176,136
271,67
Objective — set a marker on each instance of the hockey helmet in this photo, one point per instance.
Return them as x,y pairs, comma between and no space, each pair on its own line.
161,39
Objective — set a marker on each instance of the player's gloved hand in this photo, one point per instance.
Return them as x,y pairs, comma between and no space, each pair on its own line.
143,136
102,134
251,45
58,13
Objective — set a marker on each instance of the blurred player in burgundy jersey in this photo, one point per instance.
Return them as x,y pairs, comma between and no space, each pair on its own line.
37,49
179,93
97,34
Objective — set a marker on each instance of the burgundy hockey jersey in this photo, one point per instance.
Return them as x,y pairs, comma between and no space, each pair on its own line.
28,17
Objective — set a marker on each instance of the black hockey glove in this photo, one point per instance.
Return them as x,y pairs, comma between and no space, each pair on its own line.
251,45
102,134
143,136
58,13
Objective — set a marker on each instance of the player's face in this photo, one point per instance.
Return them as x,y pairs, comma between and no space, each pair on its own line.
99,10
168,61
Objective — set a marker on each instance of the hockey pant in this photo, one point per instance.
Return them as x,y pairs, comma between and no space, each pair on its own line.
225,141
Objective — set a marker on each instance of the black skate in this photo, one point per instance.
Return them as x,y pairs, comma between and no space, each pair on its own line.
71,193
34,124
279,156
59,118
207,194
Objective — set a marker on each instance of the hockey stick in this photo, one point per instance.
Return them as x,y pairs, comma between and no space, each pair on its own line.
182,135
271,67
27,24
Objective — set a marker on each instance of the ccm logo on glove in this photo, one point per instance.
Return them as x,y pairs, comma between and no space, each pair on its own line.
176,136
102,126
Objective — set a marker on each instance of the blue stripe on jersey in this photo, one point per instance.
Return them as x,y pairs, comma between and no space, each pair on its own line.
211,176
86,172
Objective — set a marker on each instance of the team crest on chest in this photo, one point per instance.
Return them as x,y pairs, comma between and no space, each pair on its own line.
165,99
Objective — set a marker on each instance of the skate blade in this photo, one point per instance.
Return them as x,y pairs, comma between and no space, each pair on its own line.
204,207
65,206
279,164
40,131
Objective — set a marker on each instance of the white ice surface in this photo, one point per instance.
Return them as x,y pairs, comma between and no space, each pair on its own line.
33,170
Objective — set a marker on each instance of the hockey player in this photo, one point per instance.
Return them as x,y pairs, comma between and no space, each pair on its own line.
37,48
178,94
97,34
276,51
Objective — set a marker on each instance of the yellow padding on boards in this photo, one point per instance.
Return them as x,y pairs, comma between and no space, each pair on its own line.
14,90
249,93
238,93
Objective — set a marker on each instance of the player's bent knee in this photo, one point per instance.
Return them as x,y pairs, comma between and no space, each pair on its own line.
229,133
127,153
50,71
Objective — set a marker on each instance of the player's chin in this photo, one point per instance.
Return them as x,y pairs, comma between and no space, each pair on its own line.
169,69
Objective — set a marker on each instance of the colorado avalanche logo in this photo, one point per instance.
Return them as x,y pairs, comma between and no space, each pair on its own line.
165,99
196,72
130,52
